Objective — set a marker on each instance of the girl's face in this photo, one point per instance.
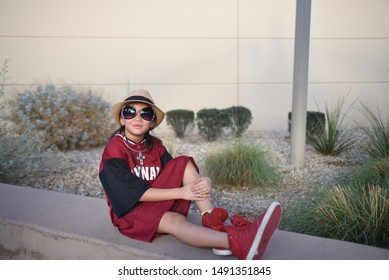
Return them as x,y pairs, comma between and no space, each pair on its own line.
136,128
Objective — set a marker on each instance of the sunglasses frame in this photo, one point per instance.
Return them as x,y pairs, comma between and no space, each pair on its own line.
140,111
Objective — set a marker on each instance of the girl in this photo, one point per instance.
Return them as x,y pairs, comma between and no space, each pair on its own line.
149,193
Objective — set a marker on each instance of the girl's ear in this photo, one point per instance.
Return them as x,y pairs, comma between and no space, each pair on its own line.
121,121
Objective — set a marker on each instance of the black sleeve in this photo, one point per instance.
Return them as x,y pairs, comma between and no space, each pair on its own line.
123,188
166,157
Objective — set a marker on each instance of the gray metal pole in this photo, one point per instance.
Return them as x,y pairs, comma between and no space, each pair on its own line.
300,82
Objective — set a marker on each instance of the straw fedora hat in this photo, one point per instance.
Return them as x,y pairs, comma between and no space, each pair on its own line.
138,96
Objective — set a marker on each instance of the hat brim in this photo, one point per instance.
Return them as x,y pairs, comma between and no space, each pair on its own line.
116,109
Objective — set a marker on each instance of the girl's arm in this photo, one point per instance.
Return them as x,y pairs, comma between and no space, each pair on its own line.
115,177
185,192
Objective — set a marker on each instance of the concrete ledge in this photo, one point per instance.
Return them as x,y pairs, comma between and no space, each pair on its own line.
39,224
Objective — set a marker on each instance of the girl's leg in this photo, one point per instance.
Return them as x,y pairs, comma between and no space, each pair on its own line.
191,175
191,234
205,207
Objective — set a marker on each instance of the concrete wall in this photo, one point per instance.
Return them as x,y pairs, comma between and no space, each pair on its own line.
41,224
194,54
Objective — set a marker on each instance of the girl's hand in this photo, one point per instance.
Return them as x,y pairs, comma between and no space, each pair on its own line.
188,194
202,186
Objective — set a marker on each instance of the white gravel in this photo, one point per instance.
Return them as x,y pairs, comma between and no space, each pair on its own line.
80,172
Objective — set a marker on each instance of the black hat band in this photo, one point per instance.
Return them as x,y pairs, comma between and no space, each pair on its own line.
139,98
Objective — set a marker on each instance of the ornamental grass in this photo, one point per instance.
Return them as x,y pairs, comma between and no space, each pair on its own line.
242,165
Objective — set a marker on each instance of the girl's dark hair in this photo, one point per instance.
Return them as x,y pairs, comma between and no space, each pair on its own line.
148,137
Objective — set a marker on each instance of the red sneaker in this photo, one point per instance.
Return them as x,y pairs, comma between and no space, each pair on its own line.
248,239
215,220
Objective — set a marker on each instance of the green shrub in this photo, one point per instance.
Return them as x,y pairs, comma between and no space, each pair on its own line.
212,122
315,122
378,136
359,215
335,138
182,121
8,146
241,165
65,118
20,157
373,172
299,216
240,118
3,78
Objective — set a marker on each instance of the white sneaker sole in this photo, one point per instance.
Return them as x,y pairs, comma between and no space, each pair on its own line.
254,246
222,252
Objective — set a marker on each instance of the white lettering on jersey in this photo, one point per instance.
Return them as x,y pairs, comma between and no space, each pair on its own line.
147,173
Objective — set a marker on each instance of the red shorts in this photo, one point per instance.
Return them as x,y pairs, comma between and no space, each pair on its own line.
143,221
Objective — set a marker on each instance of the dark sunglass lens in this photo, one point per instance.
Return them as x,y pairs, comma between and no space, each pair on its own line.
147,114
128,112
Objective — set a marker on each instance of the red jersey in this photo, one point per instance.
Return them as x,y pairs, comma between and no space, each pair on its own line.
127,171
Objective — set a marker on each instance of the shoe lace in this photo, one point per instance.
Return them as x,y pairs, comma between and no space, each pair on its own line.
215,220
240,222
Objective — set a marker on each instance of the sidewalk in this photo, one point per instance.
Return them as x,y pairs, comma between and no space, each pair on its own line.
39,224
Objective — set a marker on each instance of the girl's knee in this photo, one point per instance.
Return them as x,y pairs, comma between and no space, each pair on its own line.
176,218
170,222
191,167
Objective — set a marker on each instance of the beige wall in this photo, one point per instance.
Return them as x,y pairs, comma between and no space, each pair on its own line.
194,54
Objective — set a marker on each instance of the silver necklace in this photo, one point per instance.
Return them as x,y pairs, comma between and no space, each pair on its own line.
140,156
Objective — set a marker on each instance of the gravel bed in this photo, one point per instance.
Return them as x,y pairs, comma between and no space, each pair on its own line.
79,172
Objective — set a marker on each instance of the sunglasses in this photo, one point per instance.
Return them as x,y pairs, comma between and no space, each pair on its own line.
129,112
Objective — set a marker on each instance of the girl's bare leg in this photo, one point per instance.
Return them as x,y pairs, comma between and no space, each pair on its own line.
191,234
191,175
